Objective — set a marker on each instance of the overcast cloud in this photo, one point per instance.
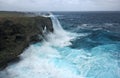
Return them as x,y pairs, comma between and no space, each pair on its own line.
60,5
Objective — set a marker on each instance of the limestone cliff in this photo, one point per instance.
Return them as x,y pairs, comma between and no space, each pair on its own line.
17,31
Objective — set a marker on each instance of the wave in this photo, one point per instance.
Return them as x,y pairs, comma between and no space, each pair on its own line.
54,58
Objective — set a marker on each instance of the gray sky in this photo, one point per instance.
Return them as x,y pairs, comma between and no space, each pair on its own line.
60,5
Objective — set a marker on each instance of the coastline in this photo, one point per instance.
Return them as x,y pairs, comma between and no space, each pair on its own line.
17,31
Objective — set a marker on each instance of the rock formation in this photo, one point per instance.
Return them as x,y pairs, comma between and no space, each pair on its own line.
17,31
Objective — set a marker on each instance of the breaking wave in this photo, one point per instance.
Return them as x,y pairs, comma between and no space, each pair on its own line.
55,58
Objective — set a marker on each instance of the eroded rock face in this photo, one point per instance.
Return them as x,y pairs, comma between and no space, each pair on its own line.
16,33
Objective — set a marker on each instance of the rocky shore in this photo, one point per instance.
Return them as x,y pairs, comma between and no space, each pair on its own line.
17,31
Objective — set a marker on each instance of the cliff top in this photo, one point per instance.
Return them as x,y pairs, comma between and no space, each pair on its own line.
14,14
17,31
24,18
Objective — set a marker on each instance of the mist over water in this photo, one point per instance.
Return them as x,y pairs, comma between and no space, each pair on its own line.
85,51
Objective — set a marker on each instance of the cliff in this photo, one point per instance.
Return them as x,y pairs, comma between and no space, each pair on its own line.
17,31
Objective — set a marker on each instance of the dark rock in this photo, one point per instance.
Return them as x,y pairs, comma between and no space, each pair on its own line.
16,33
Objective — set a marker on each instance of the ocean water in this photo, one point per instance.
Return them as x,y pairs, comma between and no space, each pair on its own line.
84,45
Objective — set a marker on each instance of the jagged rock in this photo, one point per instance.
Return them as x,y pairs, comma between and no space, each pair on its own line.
17,32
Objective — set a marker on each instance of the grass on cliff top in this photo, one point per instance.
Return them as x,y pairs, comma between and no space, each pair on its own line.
16,14
11,14
26,19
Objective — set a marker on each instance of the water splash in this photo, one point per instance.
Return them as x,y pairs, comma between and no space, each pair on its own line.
59,37
55,59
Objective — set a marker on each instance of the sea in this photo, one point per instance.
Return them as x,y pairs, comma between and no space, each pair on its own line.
83,45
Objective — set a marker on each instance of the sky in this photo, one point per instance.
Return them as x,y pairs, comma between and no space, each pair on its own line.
59,5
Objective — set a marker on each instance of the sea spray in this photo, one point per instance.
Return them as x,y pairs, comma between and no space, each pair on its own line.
38,61
54,58
59,37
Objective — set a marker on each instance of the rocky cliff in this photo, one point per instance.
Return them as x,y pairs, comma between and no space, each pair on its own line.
17,31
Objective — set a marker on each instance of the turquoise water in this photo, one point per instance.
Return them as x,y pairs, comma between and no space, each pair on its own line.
82,50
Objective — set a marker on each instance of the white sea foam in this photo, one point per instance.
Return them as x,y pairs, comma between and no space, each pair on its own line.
59,37
38,60
53,59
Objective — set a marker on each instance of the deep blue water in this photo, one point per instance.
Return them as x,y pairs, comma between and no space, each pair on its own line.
103,28
104,36
89,48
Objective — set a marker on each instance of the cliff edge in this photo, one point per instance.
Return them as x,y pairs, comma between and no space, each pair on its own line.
17,31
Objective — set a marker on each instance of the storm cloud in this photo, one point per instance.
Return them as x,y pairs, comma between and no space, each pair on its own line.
60,5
